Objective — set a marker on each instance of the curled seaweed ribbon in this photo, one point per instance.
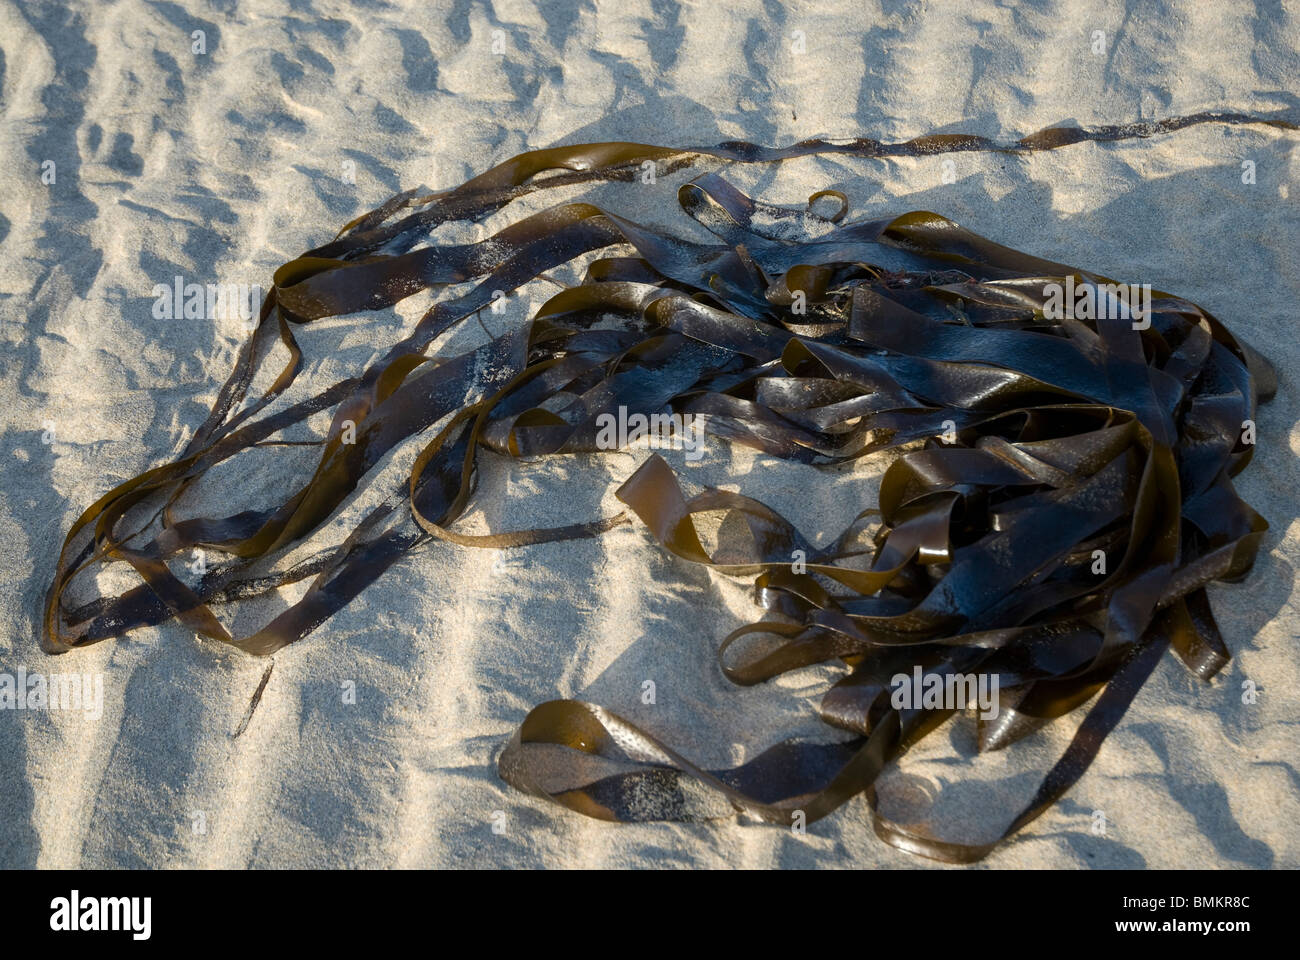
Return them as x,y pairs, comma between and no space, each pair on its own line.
808,338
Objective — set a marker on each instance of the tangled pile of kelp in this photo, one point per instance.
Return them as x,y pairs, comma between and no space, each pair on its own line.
1037,444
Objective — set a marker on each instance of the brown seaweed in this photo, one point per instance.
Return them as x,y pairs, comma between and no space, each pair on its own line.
1031,444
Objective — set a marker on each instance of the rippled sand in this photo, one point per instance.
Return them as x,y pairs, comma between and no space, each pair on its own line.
218,166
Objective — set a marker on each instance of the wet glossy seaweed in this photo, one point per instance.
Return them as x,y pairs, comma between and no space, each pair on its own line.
1029,445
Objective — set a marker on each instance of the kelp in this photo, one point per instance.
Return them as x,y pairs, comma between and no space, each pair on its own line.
1026,445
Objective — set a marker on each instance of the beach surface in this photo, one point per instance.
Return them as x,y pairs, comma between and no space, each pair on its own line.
132,157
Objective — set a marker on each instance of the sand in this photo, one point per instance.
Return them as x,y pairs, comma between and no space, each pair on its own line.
218,166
